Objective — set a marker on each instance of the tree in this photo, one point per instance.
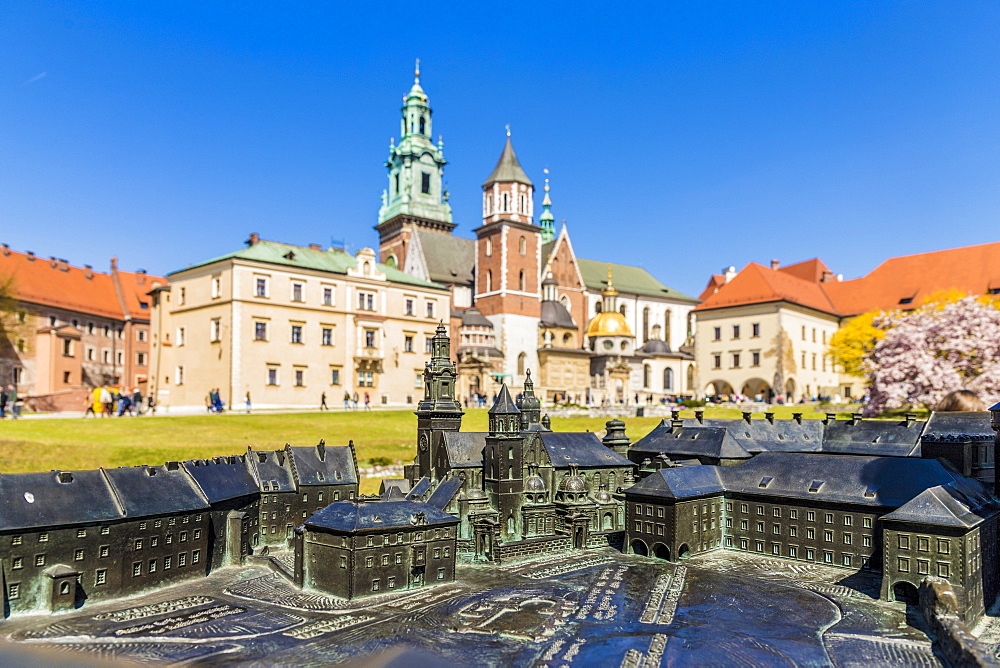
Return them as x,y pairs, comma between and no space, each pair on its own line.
854,341
932,351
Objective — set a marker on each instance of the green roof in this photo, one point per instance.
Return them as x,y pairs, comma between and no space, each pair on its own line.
627,280
331,260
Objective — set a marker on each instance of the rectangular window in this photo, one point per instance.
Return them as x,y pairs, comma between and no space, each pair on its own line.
408,307
179,375
944,547
17,563
829,518
215,330
104,550
391,582
793,531
440,574
810,533
335,376
755,330
848,520
138,543
136,569
755,358
326,337
923,544
793,514
140,359
327,296
216,287
776,529
428,344
717,334
184,536
260,287
743,508
430,309
296,333
195,556
736,360
366,301
272,375
408,344
14,590
717,361
744,525
903,541
425,183
167,562
810,554
182,559
101,577
793,551
369,338
923,567
828,536
760,527
828,557
260,331
846,559
944,570
904,565
297,290
866,540
848,539
181,298
866,522
736,331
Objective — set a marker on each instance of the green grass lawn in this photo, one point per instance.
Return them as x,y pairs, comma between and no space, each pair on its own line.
40,445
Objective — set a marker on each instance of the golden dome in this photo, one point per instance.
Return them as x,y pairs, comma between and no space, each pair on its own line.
608,323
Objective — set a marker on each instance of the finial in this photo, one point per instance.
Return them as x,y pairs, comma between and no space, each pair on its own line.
507,127
527,373
546,172
416,72
610,284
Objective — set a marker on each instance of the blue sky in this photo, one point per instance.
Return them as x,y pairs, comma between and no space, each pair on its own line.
683,137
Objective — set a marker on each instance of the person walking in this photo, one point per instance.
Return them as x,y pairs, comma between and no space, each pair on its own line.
248,403
15,409
3,403
368,405
137,400
106,401
322,403
354,401
347,401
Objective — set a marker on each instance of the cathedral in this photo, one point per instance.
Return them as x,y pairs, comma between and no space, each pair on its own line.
520,297
519,489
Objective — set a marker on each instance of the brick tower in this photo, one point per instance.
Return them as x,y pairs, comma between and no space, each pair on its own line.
508,264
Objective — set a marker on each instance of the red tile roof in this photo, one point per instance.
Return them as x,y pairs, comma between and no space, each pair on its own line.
56,283
899,282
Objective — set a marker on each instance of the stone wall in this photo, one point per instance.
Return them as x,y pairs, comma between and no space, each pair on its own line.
952,640
536,546
615,539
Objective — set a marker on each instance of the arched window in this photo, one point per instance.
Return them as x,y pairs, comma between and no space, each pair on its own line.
521,359
567,338
690,378
645,376
621,309
668,379
598,307
522,246
489,280
520,280
488,209
524,204
506,202
645,324
391,261
422,126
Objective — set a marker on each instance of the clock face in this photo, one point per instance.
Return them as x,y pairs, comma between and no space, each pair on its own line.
423,443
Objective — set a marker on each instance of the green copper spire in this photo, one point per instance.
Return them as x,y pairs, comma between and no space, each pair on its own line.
547,220
416,164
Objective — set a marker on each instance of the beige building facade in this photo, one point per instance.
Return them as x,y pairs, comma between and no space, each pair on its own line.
289,324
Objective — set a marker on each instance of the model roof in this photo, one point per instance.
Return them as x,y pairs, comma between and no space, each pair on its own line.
54,498
222,478
155,490
582,449
323,465
445,492
966,423
899,438
681,482
767,436
331,260
855,479
464,448
273,470
349,516
943,506
504,405
628,280
715,442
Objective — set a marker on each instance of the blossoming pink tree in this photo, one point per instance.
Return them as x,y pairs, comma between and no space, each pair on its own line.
932,351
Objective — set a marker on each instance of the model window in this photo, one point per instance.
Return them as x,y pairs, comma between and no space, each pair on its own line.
793,514
828,536
810,515
810,533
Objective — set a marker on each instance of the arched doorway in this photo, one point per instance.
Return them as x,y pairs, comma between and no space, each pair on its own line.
608,523
790,389
661,551
638,547
757,386
905,592
718,388
684,551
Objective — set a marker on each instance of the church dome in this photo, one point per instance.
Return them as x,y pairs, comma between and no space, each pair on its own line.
573,483
475,494
655,347
534,484
603,496
608,323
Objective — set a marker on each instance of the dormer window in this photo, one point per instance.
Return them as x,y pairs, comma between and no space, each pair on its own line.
815,486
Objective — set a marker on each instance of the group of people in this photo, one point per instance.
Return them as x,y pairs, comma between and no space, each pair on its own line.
351,401
9,403
108,401
214,402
